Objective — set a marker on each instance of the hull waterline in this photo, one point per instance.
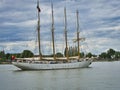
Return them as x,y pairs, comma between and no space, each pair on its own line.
38,66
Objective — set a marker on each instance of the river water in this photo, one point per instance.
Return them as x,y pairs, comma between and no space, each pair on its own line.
99,76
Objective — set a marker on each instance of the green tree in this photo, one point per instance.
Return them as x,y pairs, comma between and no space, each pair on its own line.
117,55
26,54
59,54
73,51
89,55
82,54
2,56
70,53
103,55
8,56
111,54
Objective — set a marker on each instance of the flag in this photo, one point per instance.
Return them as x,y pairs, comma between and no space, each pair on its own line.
38,7
13,57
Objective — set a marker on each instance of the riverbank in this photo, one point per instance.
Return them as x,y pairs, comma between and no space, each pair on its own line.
101,59
5,62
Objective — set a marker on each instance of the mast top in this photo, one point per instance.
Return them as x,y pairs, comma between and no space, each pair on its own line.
39,10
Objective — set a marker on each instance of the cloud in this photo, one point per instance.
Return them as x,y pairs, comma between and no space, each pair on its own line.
11,47
99,23
29,23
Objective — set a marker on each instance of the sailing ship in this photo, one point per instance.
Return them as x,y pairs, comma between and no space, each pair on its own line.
45,63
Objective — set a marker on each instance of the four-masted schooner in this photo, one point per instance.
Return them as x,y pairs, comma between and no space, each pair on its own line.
45,63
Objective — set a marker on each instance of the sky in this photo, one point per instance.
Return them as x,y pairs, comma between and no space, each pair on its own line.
99,22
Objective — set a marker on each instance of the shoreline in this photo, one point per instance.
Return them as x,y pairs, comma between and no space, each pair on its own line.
5,63
95,60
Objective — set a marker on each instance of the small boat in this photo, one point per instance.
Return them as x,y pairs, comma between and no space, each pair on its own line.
51,63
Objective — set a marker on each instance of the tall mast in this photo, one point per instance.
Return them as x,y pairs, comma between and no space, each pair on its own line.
53,32
66,34
77,13
38,29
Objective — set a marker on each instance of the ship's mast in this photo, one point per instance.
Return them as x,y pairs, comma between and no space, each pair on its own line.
53,32
38,29
78,38
77,13
66,34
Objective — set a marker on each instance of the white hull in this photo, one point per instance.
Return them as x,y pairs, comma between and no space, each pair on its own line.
39,66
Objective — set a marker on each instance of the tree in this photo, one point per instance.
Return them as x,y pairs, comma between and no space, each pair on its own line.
89,55
82,54
111,51
59,54
8,56
73,51
26,54
117,55
2,56
103,55
70,52
111,54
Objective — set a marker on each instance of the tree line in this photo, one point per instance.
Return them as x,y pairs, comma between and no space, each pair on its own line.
8,57
110,54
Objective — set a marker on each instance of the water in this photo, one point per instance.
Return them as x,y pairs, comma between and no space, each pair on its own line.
100,76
